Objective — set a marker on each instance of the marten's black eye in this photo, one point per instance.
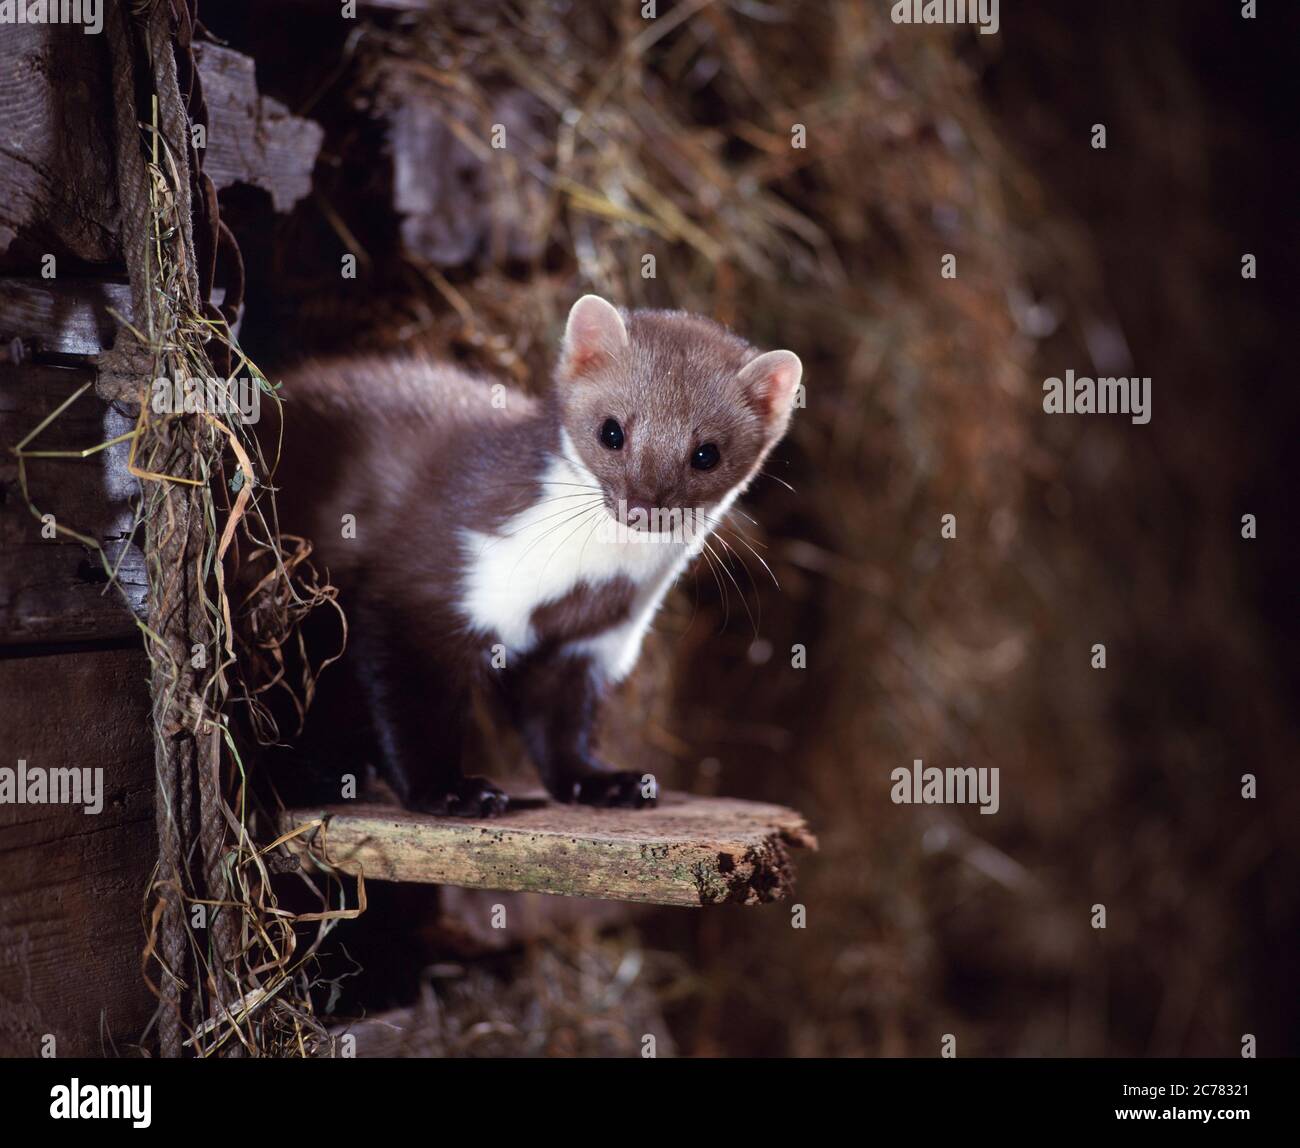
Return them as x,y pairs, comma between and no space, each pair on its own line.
611,435
705,457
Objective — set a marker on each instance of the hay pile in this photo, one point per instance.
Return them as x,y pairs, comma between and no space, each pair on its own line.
580,996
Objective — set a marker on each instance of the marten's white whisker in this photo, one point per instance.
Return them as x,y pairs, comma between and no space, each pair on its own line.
774,478
710,561
718,530
570,514
726,569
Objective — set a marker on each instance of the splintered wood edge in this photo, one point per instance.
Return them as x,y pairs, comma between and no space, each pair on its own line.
689,851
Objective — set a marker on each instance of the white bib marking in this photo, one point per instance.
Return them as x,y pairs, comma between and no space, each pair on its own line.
550,547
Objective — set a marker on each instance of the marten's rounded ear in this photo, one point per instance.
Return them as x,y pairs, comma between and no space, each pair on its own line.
769,383
593,335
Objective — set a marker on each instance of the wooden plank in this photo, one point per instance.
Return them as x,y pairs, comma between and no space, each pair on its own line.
253,139
65,317
56,146
60,316
71,883
56,589
689,851
57,182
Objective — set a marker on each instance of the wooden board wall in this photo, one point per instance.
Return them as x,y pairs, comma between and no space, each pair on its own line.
52,588
71,883
72,666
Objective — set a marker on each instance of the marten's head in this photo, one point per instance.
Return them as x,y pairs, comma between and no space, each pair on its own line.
666,409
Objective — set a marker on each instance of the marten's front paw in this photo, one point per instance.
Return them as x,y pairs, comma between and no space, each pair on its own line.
610,788
469,797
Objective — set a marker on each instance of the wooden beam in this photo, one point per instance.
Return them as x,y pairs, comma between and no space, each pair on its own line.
72,882
460,199
52,588
690,851
63,317
57,190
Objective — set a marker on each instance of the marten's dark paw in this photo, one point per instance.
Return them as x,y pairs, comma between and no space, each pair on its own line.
469,797
619,788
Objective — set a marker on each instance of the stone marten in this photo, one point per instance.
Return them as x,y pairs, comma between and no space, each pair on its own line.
477,533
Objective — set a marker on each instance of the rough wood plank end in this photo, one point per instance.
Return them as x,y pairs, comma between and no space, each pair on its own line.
690,851
252,138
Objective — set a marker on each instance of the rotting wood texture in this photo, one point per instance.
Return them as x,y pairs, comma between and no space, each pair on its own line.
690,851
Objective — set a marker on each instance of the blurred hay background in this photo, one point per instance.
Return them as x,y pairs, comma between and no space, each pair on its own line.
673,138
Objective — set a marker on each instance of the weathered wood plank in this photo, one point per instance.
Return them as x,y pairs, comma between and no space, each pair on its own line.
55,589
690,851
72,883
252,138
56,145
57,182
64,317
